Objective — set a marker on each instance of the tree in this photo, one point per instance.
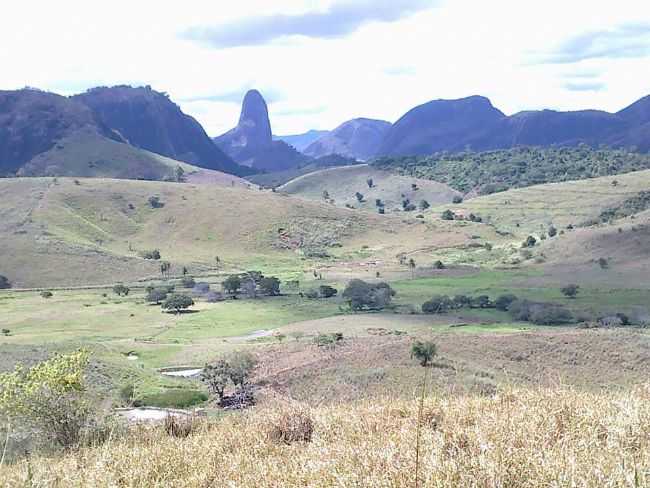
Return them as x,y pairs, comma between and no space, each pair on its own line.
424,352
457,199
369,182
412,267
270,286
154,202
359,197
503,302
216,377
156,296
570,291
188,282
461,301
232,284
529,242
552,231
241,367
361,295
121,290
439,264
603,263
424,205
438,304
165,267
414,186
481,301
177,302
47,294
326,195
179,174
448,215
4,283
327,291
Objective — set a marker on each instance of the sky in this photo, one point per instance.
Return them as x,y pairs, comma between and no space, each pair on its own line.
322,62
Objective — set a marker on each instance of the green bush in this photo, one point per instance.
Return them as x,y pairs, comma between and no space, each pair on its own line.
4,283
361,295
503,302
438,304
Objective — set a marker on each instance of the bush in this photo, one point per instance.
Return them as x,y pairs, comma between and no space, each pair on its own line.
570,291
503,301
4,283
180,426
439,265
359,197
424,205
156,296
177,302
154,202
270,286
47,294
457,199
603,263
5,332
153,254
292,427
448,215
188,282
326,291
461,301
481,301
241,366
539,313
552,231
329,341
121,290
216,376
438,304
232,284
529,242
361,295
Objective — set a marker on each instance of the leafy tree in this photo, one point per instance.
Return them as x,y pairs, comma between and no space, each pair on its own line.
361,295
457,199
461,301
179,174
4,283
154,202
379,203
381,210
232,284
570,291
241,367
438,304
153,254
412,267
407,206
439,265
326,195
327,291
529,242
552,231
424,205
177,302
448,215
121,290
481,301
165,267
47,294
370,183
414,187
503,302
359,197
156,296
424,352
603,263
270,286
216,377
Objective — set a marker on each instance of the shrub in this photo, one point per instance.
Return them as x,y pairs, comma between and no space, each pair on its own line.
439,265
312,293
529,242
216,377
47,294
457,199
424,205
603,263
4,283
270,286
327,291
156,296
481,301
503,302
359,197
121,290
180,426
461,301
540,313
381,210
329,341
188,282
232,284
5,332
552,231
241,366
154,202
292,427
448,215
423,352
438,304
361,295
153,254
370,183
570,291
177,302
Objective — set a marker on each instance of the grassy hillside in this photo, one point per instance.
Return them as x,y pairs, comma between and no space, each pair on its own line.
548,437
92,231
490,171
341,184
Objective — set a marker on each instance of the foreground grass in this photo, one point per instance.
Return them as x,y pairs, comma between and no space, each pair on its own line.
518,438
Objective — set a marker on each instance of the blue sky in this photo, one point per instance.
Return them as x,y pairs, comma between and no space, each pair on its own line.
320,63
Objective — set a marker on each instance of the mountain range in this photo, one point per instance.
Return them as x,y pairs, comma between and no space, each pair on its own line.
137,132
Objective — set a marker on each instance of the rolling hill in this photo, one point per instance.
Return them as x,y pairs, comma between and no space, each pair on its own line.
301,141
342,184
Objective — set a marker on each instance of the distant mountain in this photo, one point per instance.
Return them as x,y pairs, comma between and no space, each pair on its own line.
301,141
356,138
32,121
440,125
474,123
149,120
251,142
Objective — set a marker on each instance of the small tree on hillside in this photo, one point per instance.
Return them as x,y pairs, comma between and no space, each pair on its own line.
121,290
216,377
156,296
154,202
4,283
570,291
270,285
327,291
552,231
448,215
424,205
424,352
241,367
359,197
529,242
370,183
232,284
412,267
177,302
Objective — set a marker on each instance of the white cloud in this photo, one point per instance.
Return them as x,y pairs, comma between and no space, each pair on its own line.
378,69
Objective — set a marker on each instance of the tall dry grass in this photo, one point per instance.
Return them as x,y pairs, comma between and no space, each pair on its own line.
518,438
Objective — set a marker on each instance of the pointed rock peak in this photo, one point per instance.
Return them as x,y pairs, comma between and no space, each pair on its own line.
254,109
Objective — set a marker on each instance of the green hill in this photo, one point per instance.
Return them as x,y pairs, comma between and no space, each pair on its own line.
342,184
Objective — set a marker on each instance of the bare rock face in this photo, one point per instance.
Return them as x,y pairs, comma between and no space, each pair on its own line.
251,142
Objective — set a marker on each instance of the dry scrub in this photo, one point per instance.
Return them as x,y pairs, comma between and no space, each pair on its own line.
517,438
